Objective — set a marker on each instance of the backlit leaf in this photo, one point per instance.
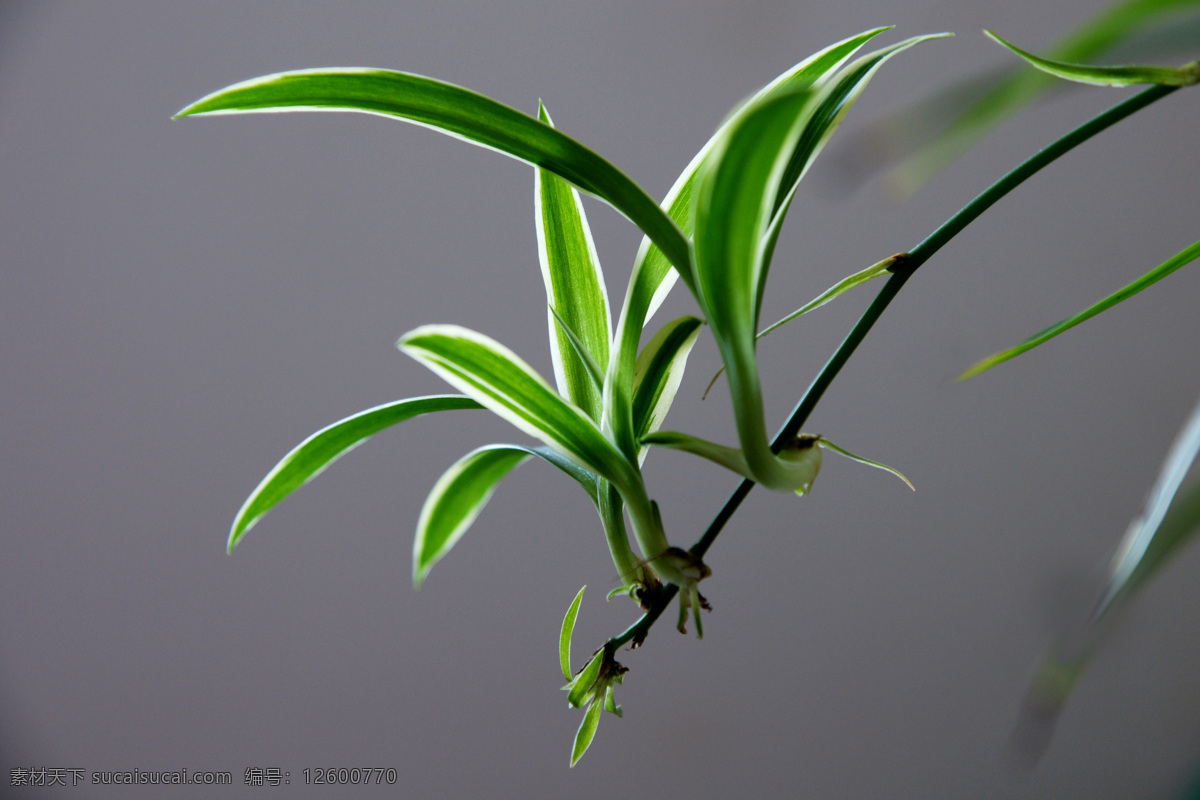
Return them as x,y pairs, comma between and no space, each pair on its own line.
312,456
1187,75
564,635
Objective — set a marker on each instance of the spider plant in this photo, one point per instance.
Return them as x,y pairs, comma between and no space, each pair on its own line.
715,231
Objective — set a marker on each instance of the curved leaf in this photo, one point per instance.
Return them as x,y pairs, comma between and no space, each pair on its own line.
728,457
461,493
459,112
574,288
498,379
586,732
1187,75
456,500
658,373
312,456
933,134
652,277
564,635
828,445
1185,256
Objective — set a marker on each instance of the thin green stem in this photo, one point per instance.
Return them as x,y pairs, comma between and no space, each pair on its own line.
906,265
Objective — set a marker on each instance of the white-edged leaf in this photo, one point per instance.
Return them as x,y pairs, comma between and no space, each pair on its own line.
1145,527
498,379
1187,75
564,635
575,288
459,112
653,277
659,370
311,457
456,500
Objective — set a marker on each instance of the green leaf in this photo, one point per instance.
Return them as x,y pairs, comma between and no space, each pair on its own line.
932,134
748,183
658,373
564,635
728,457
312,456
459,112
580,688
652,277
461,493
733,212
828,445
1186,256
1126,576
583,358
844,285
586,732
499,380
1187,75
574,289
610,703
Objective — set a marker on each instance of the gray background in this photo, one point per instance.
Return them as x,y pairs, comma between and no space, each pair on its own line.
182,302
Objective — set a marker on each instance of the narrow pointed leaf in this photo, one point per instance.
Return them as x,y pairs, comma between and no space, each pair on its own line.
828,445
1143,530
456,500
939,131
733,212
833,292
575,289
459,496
653,277
494,376
1187,75
1186,256
459,112
312,456
564,635
728,457
583,683
583,358
610,703
658,372
586,732
841,287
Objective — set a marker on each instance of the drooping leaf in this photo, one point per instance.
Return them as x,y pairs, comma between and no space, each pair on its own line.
730,458
312,456
498,379
747,186
461,493
564,635
459,112
456,500
653,277
586,732
659,370
574,289
1187,75
935,133
828,445
733,212
1185,256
